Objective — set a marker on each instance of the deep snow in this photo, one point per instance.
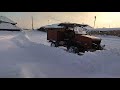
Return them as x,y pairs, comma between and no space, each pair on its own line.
29,55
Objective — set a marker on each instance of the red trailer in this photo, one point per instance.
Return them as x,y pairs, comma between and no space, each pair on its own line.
74,42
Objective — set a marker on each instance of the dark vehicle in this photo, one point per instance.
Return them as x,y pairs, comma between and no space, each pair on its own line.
75,41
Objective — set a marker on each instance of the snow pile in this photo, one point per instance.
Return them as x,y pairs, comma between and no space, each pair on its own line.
22,40
38,37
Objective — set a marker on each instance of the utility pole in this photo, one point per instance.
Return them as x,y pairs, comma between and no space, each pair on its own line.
94,21
32,23
48,22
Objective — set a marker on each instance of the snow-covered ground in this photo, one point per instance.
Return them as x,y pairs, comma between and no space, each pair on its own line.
29,55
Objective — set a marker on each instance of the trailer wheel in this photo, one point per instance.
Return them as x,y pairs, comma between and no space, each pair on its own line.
54,44
71,49
76,50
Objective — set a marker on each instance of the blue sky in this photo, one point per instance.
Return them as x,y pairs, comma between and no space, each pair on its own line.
104,19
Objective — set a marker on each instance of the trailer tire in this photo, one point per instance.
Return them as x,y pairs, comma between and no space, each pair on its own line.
54,44
71,49
76,50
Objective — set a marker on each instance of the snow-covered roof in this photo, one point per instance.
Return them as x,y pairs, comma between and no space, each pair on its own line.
8,26
72,24
7,20
53,26
61,25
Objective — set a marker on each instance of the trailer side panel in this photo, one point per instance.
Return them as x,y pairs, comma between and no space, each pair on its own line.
52,35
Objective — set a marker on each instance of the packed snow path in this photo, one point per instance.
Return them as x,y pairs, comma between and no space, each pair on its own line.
28,55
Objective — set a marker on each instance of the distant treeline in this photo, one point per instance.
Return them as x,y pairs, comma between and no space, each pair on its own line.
111,32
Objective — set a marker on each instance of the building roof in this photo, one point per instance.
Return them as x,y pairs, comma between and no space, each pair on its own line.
7,24
72,25
6,20
53,26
